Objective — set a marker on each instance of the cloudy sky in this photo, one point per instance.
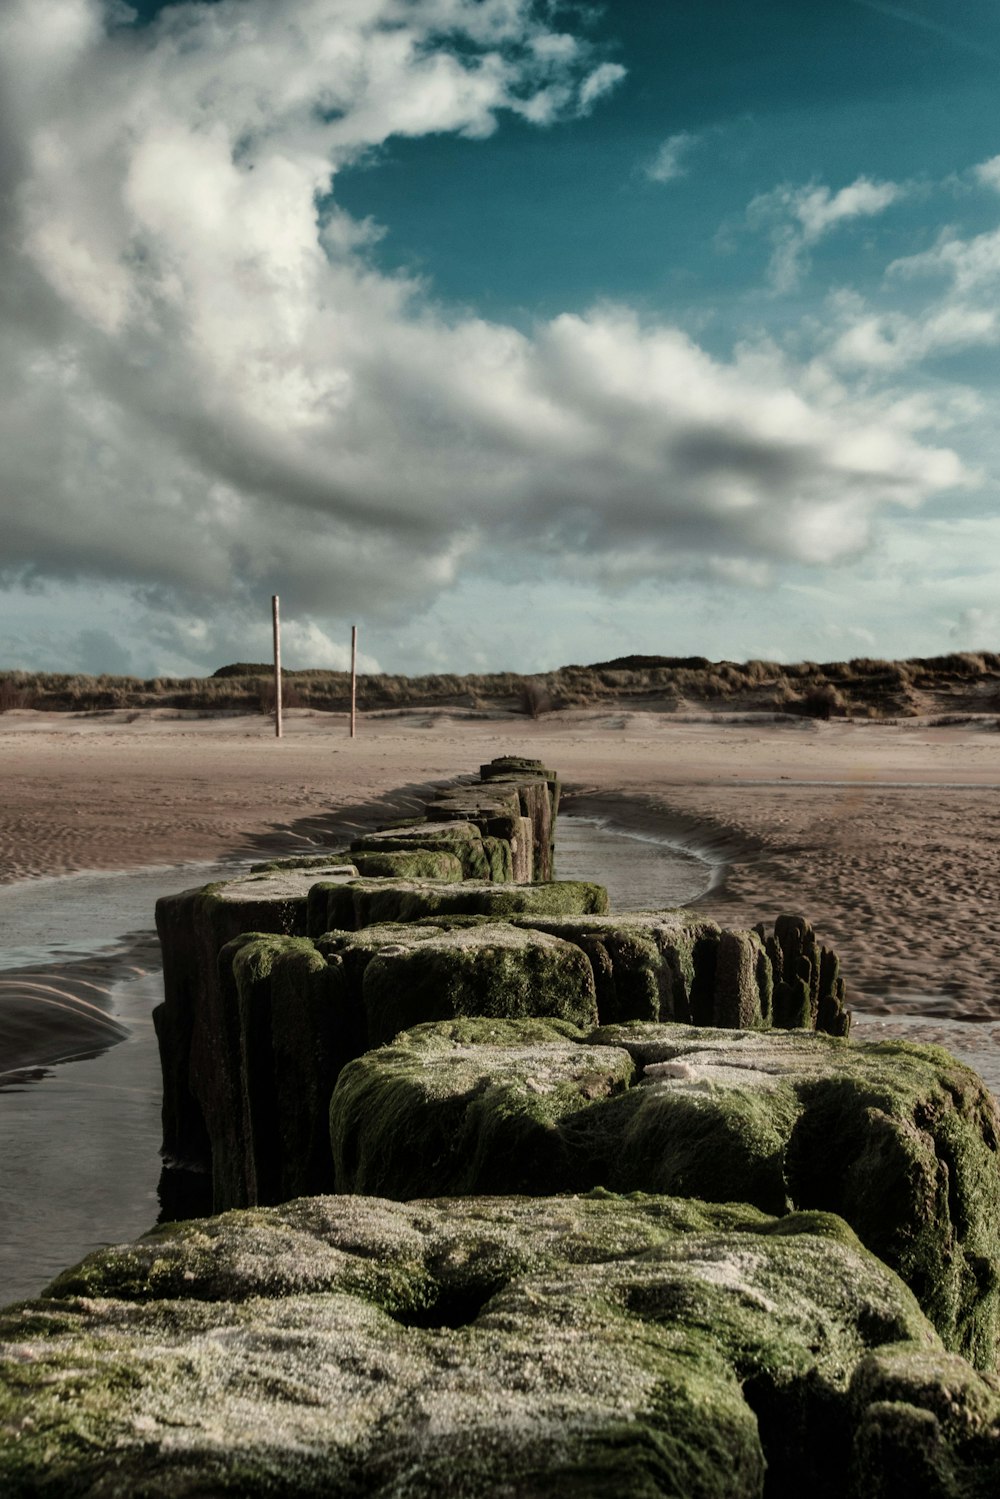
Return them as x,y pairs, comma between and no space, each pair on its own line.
519,333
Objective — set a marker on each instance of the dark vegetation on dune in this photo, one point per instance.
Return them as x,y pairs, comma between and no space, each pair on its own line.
963,684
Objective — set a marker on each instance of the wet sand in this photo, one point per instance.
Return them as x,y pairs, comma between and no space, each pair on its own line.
885,836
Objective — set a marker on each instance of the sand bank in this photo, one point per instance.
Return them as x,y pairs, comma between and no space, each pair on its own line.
886,836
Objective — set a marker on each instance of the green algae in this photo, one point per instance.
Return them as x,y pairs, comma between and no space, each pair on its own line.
303,861
572,1346
302,1010
647,966
480,858
361,903
417,1118
198,1026
403,974
900,1141
924,1423
410,864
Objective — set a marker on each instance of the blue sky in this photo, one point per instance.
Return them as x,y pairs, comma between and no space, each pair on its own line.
518,333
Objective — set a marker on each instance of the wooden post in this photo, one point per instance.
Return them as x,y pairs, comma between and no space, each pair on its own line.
277,664
354,679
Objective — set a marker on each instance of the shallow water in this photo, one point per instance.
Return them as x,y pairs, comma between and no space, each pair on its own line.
640,871
73,916
79,1141
79,1151
974,1042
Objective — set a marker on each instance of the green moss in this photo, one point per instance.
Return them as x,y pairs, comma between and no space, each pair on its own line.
304,861
462,840
421,1117
515,767
900,1141
361,903
402,974
924,1423
718,1146
410,864
491,970
643,963
577,1346
499,860
198,1026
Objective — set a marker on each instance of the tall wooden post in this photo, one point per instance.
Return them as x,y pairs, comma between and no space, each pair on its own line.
277,664
354,680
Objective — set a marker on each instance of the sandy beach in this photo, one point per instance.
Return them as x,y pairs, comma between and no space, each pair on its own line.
885,835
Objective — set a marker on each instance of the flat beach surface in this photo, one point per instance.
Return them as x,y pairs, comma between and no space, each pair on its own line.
886,836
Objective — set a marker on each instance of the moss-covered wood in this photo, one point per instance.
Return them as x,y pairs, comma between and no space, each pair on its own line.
647,966
440,1113
671,965
409,864
416,974
298,1026
197,1025
900,1140
479,858
300,1011
572,1347
360,903
538,797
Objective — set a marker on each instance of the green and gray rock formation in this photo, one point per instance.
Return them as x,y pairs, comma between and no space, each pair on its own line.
572,1348
899,1140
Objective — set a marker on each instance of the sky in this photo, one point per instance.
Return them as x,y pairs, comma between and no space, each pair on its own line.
517,333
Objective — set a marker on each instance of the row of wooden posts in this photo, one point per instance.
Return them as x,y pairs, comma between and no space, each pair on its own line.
276,618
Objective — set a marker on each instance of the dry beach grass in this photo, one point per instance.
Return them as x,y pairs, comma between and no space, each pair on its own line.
885,835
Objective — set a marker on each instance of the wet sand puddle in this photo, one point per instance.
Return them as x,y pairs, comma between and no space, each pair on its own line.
640,871
80,1119
79,1146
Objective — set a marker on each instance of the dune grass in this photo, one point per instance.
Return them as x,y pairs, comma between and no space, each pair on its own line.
963,683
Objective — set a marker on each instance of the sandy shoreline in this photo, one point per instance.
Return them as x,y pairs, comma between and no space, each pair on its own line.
885,836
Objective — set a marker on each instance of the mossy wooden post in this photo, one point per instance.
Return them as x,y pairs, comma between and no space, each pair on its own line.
277,664
354,679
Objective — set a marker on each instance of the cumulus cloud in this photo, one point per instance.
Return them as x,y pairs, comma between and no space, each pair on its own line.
210,394
669,161
797,218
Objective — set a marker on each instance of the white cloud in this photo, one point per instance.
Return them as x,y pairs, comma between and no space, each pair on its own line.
799,217
598,83
962,315
209,394
668,163
988,173
971,265
304,643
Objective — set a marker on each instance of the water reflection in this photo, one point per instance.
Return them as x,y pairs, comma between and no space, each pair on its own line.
79,1147
640,871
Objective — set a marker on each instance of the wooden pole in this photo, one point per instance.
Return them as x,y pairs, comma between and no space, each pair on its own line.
277,664
354,680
